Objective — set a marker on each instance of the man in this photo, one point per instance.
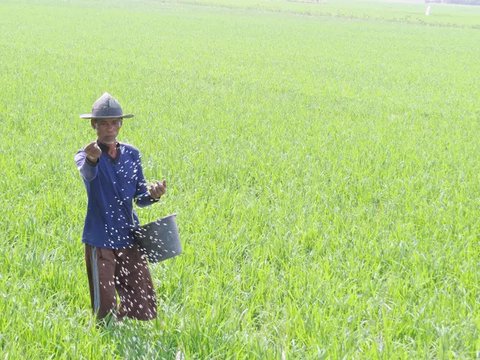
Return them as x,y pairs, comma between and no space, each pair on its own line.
113,177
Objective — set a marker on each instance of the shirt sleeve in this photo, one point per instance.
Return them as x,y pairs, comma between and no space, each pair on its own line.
142,197
87,169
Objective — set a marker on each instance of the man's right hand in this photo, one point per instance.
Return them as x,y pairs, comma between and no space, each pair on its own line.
93,151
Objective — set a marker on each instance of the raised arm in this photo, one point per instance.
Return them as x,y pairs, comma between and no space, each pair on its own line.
87,160
145,195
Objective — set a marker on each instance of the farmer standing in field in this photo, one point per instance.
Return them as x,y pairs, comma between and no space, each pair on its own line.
113,177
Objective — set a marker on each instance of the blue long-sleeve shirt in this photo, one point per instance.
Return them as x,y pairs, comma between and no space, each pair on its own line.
112,185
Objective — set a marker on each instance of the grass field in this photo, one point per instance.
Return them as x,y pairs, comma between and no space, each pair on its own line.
322,160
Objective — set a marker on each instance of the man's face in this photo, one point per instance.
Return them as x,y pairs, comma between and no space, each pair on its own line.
107,129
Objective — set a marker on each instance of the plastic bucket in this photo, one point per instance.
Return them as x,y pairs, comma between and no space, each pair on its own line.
159,240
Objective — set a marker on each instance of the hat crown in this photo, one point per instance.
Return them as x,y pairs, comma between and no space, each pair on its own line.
105,102
106,106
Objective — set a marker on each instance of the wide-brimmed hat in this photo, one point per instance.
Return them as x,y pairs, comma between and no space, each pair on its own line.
106,107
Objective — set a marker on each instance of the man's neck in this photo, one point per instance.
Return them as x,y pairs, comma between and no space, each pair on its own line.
107,141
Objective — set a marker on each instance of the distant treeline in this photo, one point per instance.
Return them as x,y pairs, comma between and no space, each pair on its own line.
464,2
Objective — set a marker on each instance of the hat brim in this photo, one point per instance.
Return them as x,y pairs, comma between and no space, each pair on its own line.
90,116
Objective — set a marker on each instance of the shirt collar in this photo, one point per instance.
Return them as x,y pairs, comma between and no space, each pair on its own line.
105,147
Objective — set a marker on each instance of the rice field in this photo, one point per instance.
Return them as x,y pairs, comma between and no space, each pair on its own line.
322,159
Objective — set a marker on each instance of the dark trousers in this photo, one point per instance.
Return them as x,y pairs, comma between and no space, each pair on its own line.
122,272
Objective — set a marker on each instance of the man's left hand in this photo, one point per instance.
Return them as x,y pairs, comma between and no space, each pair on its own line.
157,189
